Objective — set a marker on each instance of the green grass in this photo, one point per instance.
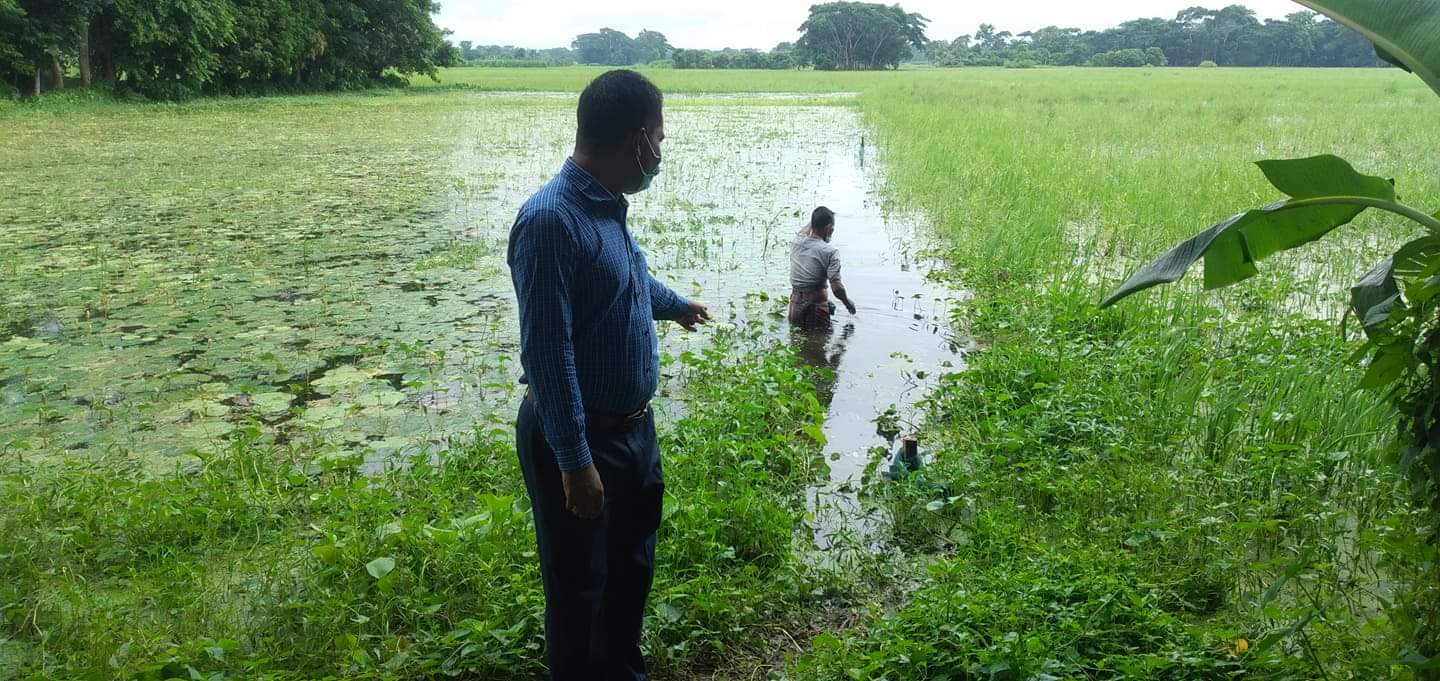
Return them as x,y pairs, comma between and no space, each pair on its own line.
1123,488
1173,455
254,563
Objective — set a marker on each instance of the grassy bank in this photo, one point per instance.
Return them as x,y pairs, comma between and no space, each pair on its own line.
1154,491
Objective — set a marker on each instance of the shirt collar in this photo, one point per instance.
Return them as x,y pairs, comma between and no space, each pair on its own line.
588,185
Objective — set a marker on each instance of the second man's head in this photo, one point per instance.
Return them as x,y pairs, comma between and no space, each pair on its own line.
822,223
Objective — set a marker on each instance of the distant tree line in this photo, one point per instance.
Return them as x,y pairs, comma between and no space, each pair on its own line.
781,57
1232,36
837,35
179,48
509,55
861,35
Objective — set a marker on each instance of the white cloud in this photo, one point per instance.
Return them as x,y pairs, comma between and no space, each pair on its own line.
715,24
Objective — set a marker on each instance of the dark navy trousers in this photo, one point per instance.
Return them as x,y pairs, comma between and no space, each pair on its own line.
596,573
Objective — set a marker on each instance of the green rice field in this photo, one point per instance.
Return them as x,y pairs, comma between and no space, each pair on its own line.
258,362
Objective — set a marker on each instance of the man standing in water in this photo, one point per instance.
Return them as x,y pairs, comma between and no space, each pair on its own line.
585,435
813,264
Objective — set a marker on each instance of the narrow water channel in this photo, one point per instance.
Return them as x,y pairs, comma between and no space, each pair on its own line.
885,356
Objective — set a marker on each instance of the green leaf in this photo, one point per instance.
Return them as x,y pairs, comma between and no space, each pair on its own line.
327,553
1171,267
1422,291
1374,296
1381,53
1418,258
380,567
1310,178
1291,571
272,402
1323,175
1232,247
669,613
1391,362
1275,637
1404,31
815,434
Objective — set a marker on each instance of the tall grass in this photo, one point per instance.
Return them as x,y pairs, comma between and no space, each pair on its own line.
1127,489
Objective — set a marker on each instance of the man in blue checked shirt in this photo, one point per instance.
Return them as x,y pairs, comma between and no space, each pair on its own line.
585,434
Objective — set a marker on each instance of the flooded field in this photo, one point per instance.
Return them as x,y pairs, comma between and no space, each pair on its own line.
257,379
360,296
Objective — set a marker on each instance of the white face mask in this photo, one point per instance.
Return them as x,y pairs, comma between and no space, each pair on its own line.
648,176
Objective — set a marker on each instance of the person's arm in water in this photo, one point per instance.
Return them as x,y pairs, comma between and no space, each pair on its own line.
832,270
839,290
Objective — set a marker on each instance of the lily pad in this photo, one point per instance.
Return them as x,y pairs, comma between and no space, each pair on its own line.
341,378
271,403
380,398
211,429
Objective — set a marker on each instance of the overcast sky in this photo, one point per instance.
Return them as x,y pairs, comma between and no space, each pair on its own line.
714,24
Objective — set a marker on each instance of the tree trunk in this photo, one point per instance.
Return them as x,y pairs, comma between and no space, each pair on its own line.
37,81
59,73
85,56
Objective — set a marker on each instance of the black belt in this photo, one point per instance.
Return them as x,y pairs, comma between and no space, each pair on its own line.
608,422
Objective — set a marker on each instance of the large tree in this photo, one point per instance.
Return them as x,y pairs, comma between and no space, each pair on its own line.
859,35
608,46
651,46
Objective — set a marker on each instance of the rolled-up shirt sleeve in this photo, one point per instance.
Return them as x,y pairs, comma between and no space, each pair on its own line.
666,304
542,266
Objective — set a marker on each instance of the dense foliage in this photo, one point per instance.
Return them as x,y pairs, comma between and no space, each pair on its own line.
1231,36
179,48
1116,478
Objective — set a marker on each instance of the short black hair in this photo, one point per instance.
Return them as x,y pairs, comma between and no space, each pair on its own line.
822,217
615,105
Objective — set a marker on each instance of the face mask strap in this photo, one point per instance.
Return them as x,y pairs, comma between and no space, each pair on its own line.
645,134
